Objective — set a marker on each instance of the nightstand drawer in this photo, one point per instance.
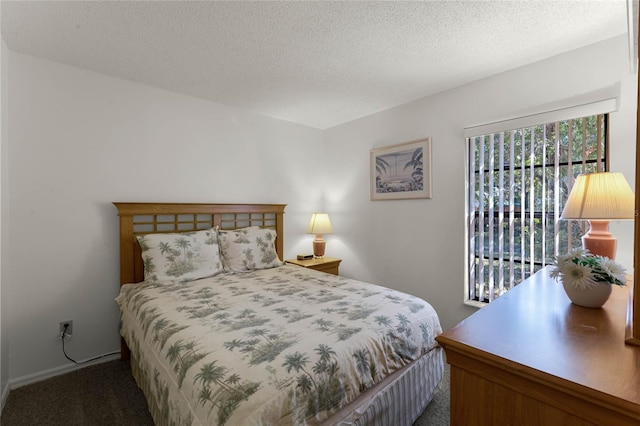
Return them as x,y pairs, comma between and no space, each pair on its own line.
328,265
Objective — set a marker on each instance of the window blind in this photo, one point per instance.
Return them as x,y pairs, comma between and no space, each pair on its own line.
518,179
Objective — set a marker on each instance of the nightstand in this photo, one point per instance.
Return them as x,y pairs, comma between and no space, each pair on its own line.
325,264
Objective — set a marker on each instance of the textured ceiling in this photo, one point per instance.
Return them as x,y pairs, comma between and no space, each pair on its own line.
315,63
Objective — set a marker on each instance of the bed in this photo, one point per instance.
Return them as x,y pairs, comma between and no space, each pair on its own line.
246,339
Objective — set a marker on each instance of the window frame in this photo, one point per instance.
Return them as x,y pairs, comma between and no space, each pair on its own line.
584,110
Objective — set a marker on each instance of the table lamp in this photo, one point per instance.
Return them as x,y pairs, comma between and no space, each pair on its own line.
319,225
599,198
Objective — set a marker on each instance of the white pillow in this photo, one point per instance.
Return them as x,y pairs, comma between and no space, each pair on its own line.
248,249
176,258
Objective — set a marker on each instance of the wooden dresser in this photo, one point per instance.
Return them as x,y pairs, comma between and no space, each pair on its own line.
533,358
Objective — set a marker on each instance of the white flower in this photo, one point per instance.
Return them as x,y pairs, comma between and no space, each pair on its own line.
614,269
562,260
578,276
571,257
555,273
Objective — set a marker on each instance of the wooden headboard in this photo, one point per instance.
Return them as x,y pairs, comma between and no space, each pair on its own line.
147,218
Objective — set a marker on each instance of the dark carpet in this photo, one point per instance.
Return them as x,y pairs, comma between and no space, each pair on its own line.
106,394
101,394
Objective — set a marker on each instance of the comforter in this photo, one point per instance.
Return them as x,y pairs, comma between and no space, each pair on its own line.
286,345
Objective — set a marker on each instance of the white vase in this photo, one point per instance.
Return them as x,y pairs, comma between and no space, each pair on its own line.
591,297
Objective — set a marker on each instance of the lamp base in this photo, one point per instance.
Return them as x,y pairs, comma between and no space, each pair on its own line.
319,244
599,241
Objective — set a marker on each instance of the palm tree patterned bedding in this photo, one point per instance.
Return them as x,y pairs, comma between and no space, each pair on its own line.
286,345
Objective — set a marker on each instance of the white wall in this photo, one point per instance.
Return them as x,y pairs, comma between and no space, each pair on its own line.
418,245
79,140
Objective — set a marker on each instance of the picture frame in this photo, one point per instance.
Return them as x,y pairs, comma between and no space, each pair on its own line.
401,171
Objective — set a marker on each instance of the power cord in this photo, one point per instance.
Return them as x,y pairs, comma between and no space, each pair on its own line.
63,334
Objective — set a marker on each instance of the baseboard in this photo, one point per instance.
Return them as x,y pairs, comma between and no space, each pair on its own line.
47,374
5,395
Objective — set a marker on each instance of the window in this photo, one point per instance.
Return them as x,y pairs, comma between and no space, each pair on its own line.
518,181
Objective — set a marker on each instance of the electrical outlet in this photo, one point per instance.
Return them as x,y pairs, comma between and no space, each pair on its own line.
69,330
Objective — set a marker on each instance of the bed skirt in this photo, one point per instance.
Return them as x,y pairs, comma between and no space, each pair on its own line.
399,399
396,401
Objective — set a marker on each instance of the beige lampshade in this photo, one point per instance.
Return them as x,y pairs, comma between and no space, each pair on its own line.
319,224
600,196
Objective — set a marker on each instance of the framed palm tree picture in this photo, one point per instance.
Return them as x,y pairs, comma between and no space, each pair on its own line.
401,171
